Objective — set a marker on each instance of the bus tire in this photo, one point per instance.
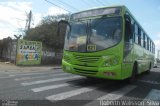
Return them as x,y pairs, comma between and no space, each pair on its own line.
132,78
149,69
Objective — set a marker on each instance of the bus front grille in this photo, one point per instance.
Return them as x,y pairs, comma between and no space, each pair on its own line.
67,59
88,72
87,59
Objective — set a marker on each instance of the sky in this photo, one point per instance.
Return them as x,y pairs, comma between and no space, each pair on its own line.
13,13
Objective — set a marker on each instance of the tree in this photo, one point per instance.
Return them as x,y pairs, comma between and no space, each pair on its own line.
46,32
5,45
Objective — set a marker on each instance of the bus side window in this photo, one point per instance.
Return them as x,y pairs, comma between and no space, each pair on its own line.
144,42
139,36
153,48
142,39
148,45
136,33
128,29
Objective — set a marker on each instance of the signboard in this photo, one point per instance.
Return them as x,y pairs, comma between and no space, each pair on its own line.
28,52
96,12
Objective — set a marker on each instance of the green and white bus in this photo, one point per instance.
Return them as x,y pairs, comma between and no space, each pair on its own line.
107,43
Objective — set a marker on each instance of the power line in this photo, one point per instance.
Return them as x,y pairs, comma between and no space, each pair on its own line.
64,3
95,2
91,2
58,6
87,3
100,2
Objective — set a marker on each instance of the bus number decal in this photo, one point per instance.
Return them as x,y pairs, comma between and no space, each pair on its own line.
91,47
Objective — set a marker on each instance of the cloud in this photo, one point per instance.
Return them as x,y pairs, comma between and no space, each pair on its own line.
13,17
56,11
158,35
37,17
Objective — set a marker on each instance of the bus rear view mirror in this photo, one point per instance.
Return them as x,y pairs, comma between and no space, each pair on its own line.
62,22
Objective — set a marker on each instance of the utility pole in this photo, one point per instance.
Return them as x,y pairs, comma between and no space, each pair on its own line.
29,19
17,37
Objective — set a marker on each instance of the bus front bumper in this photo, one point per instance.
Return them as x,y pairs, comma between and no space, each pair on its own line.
113,72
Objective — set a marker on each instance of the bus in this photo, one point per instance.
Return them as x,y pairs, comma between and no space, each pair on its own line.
107,43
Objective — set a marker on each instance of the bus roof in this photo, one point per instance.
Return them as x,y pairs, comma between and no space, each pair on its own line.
100,8
99,11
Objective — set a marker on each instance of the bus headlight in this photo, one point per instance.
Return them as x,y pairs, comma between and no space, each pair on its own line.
111,62
115,61
108,63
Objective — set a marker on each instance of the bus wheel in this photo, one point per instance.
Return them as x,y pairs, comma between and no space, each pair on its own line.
149,70
132,78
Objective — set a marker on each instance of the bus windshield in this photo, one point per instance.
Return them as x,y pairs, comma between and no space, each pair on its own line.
93,35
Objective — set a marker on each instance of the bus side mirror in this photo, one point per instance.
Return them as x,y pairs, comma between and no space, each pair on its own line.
61,22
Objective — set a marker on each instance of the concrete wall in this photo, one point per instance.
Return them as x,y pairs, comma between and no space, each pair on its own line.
49,56
8,52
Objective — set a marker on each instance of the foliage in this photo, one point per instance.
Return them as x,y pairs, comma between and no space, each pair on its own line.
46,32
4,45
